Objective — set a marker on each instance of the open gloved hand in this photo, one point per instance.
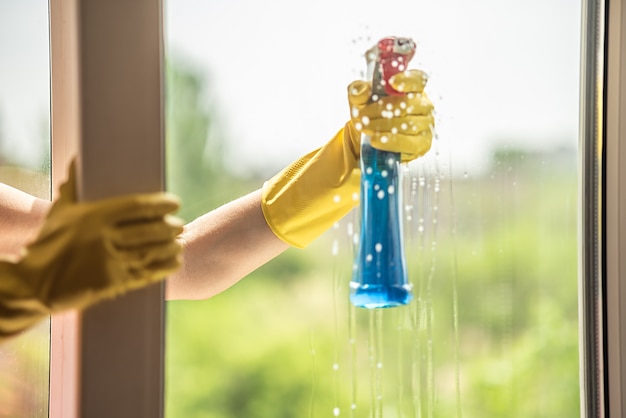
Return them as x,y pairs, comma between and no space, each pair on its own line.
88,252
311,194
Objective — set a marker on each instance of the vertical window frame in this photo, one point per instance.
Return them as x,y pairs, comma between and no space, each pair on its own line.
107,112
614,199
603,209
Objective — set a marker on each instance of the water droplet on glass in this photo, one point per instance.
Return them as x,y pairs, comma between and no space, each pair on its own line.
336,411
378,247
403,126
380,194
369,258
336,198
335,366
369,170
355,112
335,247
391,189
394,130
358,126
384,139
379,365
365,120
384,173
355,196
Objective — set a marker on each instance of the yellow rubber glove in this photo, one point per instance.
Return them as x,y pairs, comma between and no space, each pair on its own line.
306,198
87,252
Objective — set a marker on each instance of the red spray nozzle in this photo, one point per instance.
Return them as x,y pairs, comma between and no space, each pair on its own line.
388,57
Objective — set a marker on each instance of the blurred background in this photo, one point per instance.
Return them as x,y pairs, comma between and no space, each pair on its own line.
490,211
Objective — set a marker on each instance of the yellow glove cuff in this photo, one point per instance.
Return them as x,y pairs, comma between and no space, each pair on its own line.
306,198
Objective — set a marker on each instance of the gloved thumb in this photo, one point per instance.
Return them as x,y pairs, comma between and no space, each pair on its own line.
359,92
67,192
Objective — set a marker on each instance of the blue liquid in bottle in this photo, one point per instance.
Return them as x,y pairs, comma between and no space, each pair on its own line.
379,279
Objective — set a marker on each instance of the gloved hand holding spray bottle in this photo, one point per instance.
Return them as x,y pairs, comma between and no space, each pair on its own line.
380,275
391,121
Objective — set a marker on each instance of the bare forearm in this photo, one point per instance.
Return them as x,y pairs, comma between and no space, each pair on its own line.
223,246
21,216
219,248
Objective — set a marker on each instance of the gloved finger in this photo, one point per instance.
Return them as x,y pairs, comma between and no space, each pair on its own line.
410,146
136,208
140,257
410,81
410,124
145,232
359,92
155,271
395,106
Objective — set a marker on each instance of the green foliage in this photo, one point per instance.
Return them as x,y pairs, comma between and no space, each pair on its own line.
492,330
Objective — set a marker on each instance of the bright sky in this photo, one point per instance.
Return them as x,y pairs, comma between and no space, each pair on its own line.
278,70
498,69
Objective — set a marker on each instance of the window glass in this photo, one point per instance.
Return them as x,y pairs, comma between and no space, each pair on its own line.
490,211
25,164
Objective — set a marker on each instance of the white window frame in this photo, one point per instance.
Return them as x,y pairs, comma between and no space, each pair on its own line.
109,361
107,112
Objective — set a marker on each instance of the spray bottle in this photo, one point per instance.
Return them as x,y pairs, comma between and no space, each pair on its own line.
380,276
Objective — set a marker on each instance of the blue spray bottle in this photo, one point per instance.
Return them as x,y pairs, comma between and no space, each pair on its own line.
379,277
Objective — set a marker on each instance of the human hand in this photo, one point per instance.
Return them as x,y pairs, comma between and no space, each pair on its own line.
311,194
90,251
397,123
